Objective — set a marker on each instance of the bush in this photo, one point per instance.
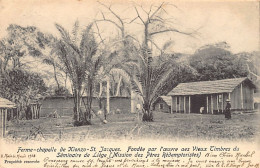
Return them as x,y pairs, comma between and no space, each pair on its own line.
81,123
61,91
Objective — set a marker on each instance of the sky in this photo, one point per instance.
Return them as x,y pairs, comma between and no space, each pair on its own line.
237,23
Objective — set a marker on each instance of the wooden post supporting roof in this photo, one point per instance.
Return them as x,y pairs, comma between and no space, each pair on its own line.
5,111
133,106
171,104
222,103
39,111
4,105
211,102
4,119
241,94
189,104
217,104
253,106
33,111
207,104
2,122
184,109
18,113
176,104
179,104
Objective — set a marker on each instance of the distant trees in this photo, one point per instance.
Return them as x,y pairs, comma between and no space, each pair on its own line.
215,61
250,61
17,82
61,91
22,87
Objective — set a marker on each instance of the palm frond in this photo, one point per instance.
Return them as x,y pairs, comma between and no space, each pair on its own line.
75,31
121,72
64,33
159,87
137,87
88,45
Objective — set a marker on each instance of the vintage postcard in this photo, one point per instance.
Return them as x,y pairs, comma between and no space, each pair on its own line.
129,84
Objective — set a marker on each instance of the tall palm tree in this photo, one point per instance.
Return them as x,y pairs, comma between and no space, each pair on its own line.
79,55
150,76
150,81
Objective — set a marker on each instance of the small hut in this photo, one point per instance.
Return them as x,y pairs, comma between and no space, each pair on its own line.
4,106
163,104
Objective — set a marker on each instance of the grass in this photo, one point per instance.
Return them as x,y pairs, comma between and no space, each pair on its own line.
125,126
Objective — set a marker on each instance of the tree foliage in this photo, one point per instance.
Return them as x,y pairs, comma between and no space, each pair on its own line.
22,87
17,82
83,61
214,62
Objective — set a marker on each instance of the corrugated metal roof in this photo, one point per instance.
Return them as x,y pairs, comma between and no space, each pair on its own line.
167,99
4,103
207,87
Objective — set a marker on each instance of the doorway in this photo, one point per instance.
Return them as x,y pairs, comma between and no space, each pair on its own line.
197,103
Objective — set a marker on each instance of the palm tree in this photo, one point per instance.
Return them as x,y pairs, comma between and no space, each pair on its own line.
150,79
86,64
79,55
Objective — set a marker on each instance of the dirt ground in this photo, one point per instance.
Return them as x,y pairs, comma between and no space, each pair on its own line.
242,126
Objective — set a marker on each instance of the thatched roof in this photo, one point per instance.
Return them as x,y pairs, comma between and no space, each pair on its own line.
167,99
4,103
208,87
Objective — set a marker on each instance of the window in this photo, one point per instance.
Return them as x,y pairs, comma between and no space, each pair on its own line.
161,106
178,101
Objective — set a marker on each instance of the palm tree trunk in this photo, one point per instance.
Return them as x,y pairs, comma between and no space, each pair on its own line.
132,101
66,78
55,76
76,103
118,86
100,89
89,98
147,113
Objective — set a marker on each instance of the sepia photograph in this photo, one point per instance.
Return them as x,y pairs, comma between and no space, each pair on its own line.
130,70
81,71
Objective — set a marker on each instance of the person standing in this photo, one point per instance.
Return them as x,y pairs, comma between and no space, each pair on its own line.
228,110
138,109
